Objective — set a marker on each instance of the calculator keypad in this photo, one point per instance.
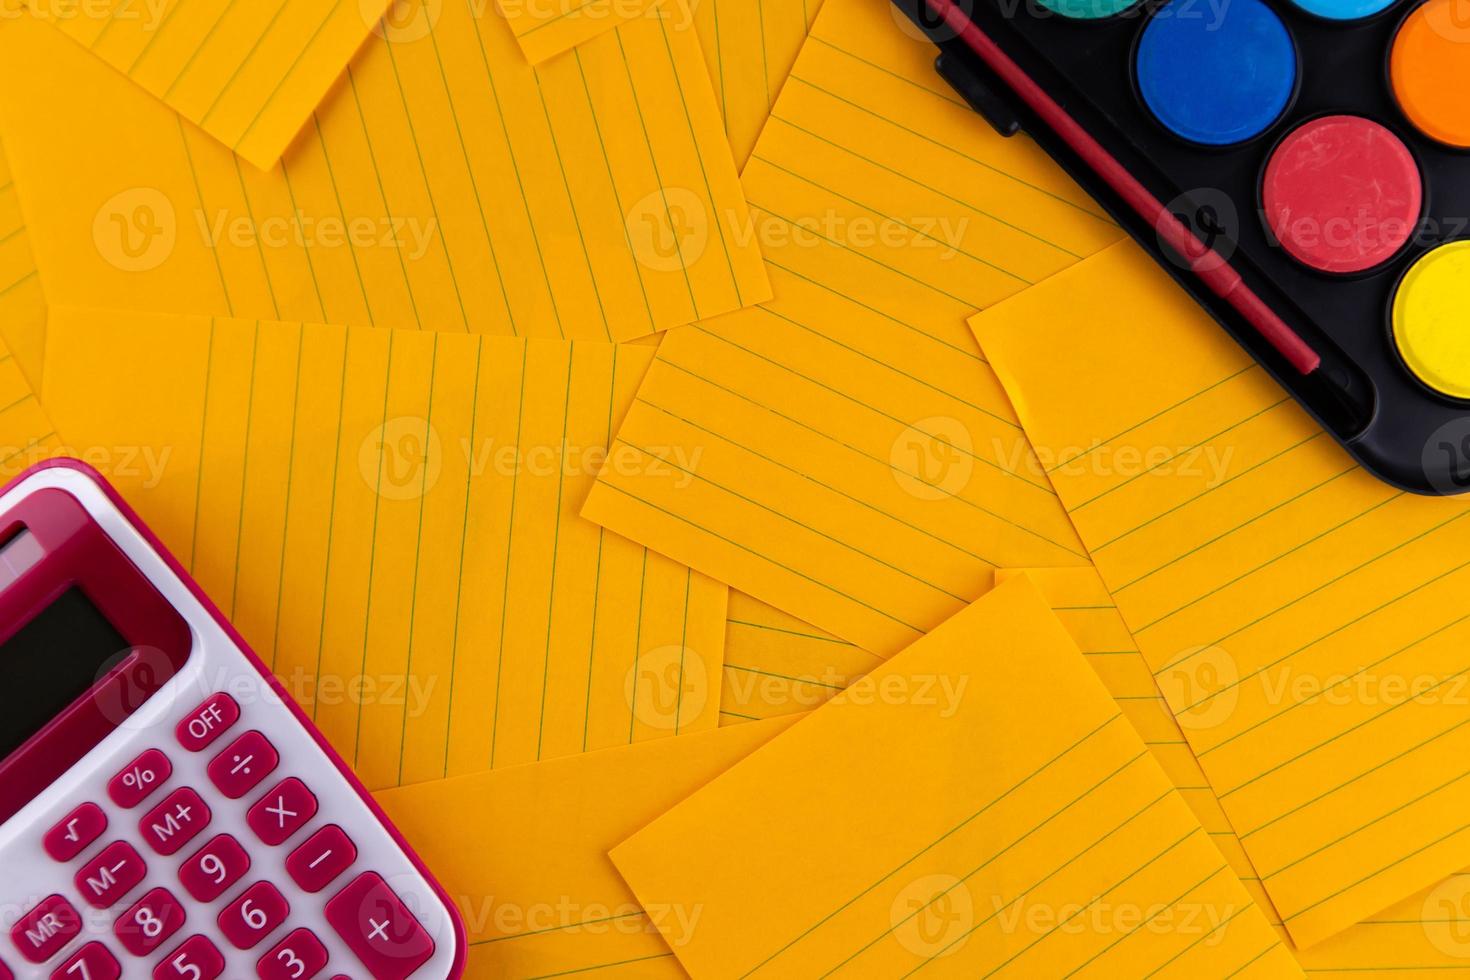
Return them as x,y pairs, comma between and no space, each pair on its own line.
366,914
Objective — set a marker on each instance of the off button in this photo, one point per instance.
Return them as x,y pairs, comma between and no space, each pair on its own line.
207,722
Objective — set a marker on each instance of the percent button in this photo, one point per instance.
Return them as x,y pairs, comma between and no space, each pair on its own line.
139,779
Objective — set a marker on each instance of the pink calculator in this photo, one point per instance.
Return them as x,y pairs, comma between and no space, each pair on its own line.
166,810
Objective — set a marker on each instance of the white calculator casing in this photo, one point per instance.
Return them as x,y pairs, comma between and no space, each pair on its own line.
217,660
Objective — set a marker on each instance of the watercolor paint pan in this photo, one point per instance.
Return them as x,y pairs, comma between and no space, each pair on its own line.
1318,148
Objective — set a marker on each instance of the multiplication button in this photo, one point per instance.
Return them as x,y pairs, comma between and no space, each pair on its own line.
282,811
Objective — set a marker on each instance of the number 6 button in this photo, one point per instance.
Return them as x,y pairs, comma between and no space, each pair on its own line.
254,915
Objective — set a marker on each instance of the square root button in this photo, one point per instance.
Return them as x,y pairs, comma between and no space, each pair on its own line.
375,924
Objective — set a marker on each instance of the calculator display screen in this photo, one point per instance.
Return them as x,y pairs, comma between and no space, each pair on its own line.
51,662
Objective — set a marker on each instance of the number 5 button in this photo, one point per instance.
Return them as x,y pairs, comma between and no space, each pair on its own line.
195,959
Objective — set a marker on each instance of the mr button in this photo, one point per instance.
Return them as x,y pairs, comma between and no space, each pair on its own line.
45,929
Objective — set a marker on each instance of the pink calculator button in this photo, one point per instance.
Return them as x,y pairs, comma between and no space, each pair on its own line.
282,811
104,880
379,928
44,930
5,973
297,957
212,869
254,915
195,959
325,855
175,821
148,925
207,722
240,768
139,779
72,835
91,962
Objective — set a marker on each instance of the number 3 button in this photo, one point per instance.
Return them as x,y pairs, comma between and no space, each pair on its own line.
298,957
